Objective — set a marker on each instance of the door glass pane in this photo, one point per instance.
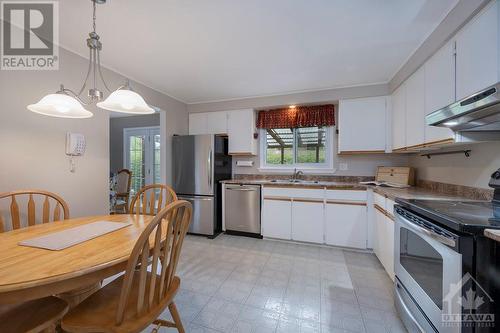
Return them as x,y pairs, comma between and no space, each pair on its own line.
423,263
310,144
279,149
137,154
156,159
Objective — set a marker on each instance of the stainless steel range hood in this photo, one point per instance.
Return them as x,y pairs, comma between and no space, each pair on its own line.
479,112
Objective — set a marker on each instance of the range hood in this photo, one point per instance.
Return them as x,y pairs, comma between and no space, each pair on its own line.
479,112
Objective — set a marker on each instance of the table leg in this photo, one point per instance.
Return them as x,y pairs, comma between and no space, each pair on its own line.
75,297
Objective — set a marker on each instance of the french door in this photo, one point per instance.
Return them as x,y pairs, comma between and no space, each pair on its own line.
142,156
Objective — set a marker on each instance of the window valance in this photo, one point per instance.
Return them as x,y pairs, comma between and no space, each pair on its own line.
300,116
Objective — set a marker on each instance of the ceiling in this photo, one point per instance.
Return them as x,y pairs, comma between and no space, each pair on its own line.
199,51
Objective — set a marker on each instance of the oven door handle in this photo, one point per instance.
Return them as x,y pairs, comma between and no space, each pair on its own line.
442,239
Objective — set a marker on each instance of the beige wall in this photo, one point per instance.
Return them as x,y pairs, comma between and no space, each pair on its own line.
33,146
457,169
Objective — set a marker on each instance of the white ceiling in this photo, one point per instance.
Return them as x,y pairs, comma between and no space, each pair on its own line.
199,50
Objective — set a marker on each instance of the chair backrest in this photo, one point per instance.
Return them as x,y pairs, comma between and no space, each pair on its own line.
162,240
151,199
18,198
123,181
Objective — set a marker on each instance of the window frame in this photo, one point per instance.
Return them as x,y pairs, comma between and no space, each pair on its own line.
327,166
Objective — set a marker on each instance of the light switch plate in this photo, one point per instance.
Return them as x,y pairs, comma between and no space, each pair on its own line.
343,166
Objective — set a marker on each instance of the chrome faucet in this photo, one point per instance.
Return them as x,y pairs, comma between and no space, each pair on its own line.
296,174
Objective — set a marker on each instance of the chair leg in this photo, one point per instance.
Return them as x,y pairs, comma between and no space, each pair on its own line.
176,317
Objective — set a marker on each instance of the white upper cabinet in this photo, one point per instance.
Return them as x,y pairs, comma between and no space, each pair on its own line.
439,89
208,123
217,122
241,129
415,108
363,124
398,100
477,52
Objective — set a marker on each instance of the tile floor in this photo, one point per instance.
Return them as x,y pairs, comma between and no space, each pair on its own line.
238,284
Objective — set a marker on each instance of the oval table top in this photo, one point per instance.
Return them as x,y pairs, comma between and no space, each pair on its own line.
31,269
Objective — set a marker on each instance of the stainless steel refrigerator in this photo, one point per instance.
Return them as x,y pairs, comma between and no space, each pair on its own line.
199,163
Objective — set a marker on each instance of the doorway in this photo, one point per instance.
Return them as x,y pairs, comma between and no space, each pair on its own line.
142,151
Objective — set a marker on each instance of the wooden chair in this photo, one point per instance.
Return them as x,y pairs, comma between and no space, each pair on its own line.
151,199
15,215
40,314
123,181
136,299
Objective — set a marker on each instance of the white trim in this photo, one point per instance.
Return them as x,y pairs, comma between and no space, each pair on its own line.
309,168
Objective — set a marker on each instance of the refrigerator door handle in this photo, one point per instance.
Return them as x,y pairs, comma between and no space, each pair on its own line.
209,162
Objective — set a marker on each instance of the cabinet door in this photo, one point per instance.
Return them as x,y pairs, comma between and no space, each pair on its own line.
378,237
241,127
477,52
307,221
389,247
217,122
362,124
346,225
399,117
439,89
277,219
197,123
415,108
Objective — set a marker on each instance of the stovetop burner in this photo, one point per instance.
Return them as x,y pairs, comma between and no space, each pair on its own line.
465,216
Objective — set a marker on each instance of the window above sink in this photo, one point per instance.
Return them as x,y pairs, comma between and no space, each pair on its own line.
304,148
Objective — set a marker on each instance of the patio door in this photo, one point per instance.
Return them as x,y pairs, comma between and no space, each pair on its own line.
142,156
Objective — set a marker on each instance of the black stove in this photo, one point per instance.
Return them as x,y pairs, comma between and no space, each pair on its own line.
463,216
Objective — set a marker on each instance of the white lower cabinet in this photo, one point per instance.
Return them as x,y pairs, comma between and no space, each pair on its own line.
307,221
383,243
277,218
346,225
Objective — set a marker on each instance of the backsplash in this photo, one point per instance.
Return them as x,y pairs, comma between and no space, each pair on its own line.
458,190
324,178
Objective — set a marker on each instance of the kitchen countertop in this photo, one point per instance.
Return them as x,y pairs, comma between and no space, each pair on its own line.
493,234
391,193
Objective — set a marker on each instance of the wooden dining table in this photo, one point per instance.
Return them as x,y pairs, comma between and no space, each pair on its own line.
28,273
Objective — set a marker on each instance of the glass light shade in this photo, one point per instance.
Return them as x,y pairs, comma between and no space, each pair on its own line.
125,101
60,105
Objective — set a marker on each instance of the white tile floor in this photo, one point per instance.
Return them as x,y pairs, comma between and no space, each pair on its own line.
238,284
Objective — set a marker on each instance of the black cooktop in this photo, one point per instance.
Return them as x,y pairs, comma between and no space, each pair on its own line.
463,216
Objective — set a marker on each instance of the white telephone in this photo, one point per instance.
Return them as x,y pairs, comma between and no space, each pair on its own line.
75,144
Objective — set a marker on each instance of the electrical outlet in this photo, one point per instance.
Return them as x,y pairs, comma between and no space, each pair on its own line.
343,166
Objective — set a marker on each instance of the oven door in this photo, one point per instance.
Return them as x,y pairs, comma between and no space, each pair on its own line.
428,265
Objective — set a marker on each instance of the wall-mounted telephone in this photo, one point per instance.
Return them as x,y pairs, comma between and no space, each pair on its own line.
75,144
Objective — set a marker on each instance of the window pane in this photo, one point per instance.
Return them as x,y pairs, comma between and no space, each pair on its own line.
310,144
279,148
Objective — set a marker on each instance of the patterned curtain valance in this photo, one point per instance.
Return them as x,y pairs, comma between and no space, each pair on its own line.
300,116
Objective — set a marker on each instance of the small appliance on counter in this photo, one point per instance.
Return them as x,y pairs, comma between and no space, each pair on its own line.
447,271
199,163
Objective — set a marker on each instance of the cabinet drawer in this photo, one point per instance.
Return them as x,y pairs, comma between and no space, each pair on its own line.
346,195
294,193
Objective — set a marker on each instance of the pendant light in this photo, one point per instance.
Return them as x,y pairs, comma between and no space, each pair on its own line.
65,103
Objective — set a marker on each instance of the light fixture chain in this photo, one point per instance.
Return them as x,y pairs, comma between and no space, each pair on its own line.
94,16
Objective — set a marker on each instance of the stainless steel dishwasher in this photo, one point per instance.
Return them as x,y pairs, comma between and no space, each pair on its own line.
242,209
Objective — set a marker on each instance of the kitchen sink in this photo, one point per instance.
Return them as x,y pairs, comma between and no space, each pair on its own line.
294,181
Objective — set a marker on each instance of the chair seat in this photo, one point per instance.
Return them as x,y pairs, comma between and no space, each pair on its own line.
98,312
33,316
